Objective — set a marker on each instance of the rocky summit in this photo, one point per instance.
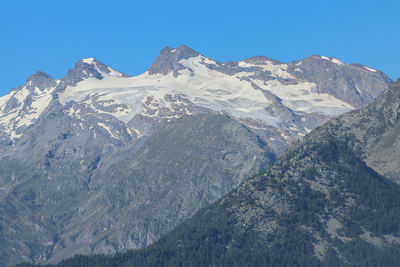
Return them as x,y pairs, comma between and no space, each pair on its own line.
100,161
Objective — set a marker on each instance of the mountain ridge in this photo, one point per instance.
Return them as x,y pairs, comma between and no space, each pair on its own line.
270,80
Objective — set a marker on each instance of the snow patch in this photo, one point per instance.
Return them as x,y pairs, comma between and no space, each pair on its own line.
25,112
244,74
337,61
3,102
208,61
40,101
333,60
107,129
373,70
89,60
131,130
301,97
277,71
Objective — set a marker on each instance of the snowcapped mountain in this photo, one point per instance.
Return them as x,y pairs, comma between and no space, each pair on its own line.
279,101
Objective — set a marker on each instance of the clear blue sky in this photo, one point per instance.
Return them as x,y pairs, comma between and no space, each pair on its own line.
127,35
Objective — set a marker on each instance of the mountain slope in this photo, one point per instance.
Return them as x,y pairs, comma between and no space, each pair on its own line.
319,204
166,181
106,206
374,132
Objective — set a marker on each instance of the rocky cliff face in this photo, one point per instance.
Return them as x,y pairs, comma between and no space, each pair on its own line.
373,132
341,80
88,161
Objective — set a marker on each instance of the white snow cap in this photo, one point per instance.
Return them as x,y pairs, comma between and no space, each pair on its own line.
89,60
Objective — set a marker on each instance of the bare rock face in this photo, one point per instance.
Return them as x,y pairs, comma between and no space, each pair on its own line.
168,60
100,161
41,81
341,80
87,68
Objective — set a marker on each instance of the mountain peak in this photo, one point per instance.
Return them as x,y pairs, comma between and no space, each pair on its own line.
89,68
186,50
38,75
40,80
92,65
89,60
325,58
261,59
168,59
